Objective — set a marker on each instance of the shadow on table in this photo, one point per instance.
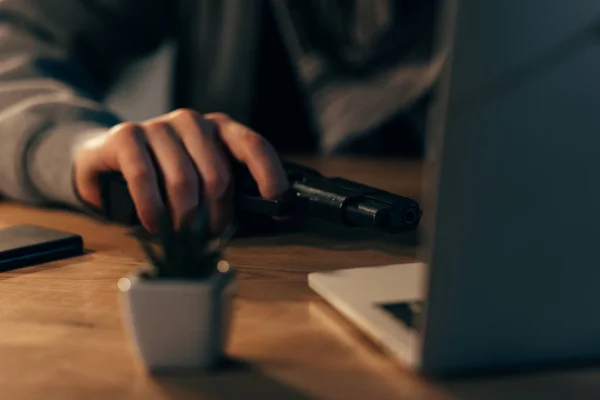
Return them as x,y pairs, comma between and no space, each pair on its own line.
572,384
314,233
235,380
317,234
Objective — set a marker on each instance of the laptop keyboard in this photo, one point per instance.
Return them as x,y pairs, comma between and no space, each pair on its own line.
410,314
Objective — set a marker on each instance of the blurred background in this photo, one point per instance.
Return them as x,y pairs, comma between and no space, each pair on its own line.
368,86
143,90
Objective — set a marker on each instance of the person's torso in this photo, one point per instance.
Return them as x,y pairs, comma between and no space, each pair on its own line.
248,59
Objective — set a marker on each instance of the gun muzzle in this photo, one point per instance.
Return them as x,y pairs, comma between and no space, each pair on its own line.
355,205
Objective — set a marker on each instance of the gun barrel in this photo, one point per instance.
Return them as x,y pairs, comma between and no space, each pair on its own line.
384,217
352,204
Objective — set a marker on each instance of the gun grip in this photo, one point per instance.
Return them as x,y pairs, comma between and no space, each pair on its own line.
117,204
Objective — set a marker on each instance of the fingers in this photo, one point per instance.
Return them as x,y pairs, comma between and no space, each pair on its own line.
179,173
198,136
87,165
256,153
190,155
126,151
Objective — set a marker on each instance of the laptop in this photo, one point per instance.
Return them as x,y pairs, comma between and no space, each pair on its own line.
509,266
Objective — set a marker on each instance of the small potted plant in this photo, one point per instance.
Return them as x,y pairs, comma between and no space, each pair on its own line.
178,312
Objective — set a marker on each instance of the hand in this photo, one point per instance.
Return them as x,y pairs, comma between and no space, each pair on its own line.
190,150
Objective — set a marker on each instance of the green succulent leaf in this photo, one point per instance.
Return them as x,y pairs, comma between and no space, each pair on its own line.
190,252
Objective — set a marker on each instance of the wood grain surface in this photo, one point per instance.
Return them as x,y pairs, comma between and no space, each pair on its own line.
62,334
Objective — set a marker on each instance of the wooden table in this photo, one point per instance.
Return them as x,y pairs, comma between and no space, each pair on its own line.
62,336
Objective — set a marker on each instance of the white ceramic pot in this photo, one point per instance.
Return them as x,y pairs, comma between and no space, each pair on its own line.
178,323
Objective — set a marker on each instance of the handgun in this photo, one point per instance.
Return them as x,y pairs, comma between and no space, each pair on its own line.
311,194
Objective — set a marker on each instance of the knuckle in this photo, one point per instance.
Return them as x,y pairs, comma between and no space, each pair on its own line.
215,184
158,124
185,114
181,183
125,131
252,140
126,128
138,174
218,116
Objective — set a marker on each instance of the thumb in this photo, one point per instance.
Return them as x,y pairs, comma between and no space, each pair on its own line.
89,162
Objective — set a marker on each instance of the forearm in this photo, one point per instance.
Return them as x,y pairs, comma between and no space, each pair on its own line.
42,121
39,146
51,55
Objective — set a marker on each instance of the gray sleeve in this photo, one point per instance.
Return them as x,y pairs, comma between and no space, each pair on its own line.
57,59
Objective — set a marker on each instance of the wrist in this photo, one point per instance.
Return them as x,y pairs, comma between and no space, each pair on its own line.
51,163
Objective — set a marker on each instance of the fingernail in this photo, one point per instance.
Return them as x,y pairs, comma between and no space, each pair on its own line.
154,225
152,228
153,220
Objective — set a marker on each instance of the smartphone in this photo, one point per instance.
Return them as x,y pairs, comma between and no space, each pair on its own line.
27,245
